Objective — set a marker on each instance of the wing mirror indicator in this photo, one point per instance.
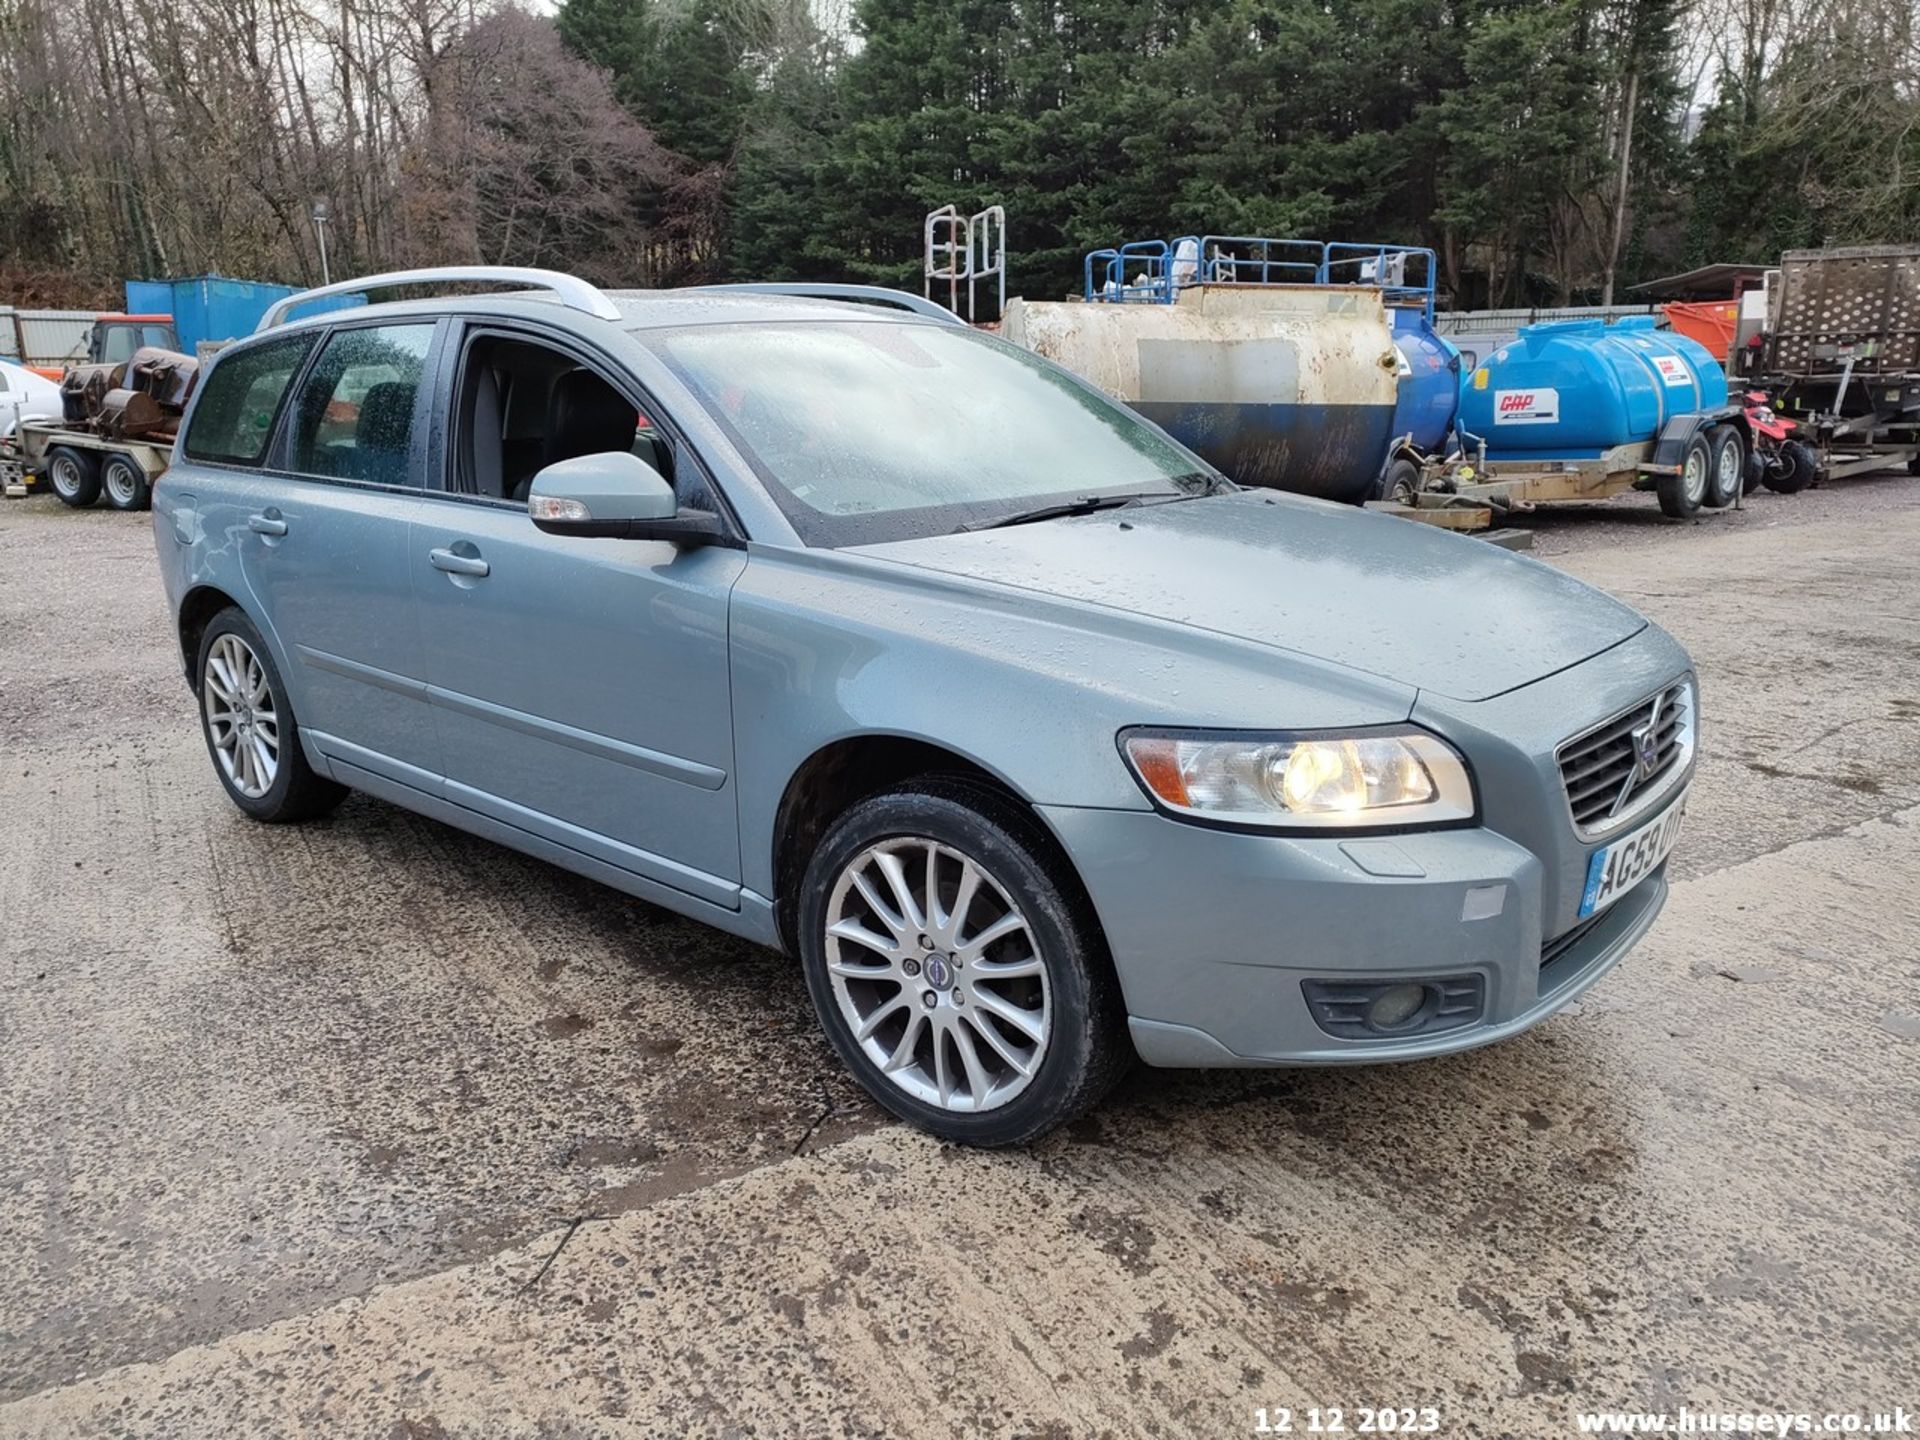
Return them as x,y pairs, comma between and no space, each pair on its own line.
616,495
559,509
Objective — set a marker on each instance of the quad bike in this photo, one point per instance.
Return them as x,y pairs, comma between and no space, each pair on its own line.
1778,461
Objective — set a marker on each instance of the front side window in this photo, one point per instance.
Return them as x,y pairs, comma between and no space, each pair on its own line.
354,416
874,430
233,419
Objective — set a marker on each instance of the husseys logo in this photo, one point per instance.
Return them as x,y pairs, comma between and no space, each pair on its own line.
1526,407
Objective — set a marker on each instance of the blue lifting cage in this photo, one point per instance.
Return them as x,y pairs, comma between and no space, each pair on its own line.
1152,272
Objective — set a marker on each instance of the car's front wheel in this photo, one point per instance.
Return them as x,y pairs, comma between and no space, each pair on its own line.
250,729
959,974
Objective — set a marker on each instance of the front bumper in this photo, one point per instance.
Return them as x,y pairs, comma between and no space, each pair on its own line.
1213,933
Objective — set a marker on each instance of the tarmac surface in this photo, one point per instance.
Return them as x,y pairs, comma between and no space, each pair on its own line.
370,1128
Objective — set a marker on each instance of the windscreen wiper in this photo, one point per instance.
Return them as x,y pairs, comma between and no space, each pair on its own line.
1081,505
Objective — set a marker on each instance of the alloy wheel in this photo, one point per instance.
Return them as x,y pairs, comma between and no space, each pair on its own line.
241,716
938,974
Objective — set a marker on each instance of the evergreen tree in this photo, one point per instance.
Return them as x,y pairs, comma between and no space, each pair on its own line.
678,69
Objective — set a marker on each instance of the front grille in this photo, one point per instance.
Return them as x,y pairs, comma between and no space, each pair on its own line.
1603,771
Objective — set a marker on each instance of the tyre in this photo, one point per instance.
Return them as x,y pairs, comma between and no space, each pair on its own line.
1728,451
1399,481
1798,469
1681,495
958,972
251,733
74,476
124,483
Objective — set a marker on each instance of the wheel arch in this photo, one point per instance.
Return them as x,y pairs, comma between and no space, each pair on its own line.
847,770
197,609
1670,447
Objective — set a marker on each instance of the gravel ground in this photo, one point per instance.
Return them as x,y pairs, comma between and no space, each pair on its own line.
367,1127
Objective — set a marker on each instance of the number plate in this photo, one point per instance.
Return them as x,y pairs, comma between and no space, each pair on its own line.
1617,868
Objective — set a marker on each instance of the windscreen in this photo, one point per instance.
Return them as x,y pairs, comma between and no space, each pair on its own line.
868,431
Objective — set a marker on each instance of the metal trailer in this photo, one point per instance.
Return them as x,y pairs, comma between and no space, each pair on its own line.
1840,354
1466,492
81,467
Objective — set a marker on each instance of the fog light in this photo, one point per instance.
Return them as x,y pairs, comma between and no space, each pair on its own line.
1396,1005
1389,1012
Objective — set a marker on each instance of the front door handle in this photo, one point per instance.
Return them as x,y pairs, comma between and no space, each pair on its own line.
268,523
455,563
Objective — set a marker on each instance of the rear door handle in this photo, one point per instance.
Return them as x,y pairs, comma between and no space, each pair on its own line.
268,524
455,563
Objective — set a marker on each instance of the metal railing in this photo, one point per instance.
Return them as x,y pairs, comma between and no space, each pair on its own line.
958,247
1153,272
569,290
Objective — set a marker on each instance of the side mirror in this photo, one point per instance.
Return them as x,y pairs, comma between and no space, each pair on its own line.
618,495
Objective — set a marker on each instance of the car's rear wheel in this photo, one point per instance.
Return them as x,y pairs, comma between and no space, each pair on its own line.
74,476
959,974
250,728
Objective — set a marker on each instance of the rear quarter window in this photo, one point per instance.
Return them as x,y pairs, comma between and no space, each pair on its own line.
233,420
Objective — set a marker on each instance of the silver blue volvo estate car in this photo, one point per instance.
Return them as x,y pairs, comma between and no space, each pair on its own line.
860,634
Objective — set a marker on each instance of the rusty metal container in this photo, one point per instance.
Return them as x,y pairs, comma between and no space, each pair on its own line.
133,414
166,375
84,387
1288,386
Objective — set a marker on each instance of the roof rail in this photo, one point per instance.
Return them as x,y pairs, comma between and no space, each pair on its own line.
833,290
570,290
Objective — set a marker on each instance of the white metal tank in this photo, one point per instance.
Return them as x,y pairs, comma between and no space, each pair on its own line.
1289,386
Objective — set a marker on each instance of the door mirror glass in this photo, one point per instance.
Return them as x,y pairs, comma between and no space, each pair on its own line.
585,495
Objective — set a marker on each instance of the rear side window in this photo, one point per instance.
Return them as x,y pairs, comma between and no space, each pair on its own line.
353,417
234,418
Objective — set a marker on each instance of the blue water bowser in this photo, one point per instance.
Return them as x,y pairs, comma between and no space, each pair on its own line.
1577,409
1576,389
1429,391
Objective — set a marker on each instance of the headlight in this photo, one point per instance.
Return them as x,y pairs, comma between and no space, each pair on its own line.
1363,779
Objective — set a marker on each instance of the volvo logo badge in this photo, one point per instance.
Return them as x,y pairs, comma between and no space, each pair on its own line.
1647,748
1645,740
938,972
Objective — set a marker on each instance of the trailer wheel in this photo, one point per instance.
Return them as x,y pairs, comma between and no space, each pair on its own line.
1400,481
74,475
125,483
1799,466
1729,465
1682,494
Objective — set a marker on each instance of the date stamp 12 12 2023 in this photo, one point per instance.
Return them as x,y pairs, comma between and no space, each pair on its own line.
1343,1420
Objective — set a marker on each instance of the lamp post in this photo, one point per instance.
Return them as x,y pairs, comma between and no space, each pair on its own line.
322,213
